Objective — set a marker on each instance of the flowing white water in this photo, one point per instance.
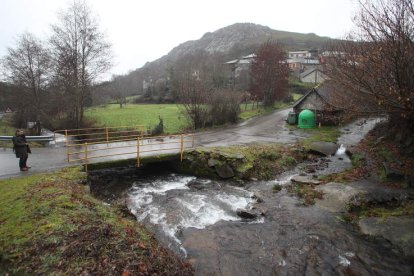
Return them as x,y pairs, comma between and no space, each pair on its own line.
284,179
341,150
172,206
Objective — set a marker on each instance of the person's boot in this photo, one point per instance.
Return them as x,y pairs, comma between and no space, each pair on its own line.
24,169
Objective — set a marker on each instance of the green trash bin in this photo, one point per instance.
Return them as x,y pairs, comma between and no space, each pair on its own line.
291,119
306,119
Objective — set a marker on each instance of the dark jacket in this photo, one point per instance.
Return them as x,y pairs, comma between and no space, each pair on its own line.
20,146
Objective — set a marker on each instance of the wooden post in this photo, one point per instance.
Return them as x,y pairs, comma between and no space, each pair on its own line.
182,147
192,141
138,152
86,157
107,135
67,144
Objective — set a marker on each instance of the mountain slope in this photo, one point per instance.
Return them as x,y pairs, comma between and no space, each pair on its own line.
230,42
246,35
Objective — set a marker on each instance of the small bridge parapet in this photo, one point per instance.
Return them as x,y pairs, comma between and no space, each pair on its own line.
107,144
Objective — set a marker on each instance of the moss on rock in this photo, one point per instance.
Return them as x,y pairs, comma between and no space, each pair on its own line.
261,161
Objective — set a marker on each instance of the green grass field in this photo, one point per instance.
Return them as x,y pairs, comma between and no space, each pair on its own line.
140,114
147,115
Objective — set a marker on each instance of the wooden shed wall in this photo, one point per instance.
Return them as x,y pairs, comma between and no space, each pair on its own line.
312,102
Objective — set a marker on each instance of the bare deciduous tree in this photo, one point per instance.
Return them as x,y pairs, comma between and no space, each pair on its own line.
376,65
27,67
269,73
193,94
81,54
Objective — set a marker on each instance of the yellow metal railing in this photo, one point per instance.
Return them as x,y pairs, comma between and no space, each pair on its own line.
139,147
102,134
98,135
85,144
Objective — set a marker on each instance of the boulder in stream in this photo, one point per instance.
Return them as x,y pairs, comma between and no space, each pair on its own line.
398,230
323,148
258,197
299,179
224,171
247,214
196,184
336,196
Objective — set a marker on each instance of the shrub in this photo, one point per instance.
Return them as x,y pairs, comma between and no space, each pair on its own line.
225,107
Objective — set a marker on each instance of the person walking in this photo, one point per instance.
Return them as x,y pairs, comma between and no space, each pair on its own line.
21,149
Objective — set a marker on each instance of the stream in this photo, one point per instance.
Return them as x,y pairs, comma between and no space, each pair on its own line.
197,218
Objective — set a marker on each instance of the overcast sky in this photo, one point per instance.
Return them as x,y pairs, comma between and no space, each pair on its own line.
145,30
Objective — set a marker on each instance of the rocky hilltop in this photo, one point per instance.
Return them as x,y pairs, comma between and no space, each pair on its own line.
229,43
241,37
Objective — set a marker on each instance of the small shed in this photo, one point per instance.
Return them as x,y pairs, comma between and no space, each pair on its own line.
321,101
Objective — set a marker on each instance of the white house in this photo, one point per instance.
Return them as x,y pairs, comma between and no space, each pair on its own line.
300,54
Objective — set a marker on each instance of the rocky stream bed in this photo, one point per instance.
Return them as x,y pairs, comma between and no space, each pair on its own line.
224,227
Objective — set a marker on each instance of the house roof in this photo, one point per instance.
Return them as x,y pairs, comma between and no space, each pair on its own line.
340,98
324,91
251,56
232,61
303,60
299,52
245,61
308,72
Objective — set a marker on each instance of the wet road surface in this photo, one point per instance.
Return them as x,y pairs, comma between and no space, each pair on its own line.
268,128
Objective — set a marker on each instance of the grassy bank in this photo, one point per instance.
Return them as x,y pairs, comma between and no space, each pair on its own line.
49,224
370,155
321,134
5,126
7,130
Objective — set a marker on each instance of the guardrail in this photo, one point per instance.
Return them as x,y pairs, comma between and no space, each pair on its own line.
102,134
46,138
138,148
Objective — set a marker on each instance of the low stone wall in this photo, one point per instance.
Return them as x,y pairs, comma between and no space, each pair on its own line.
216,164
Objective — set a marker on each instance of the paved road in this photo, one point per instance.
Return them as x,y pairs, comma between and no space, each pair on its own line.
269,128
41,159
